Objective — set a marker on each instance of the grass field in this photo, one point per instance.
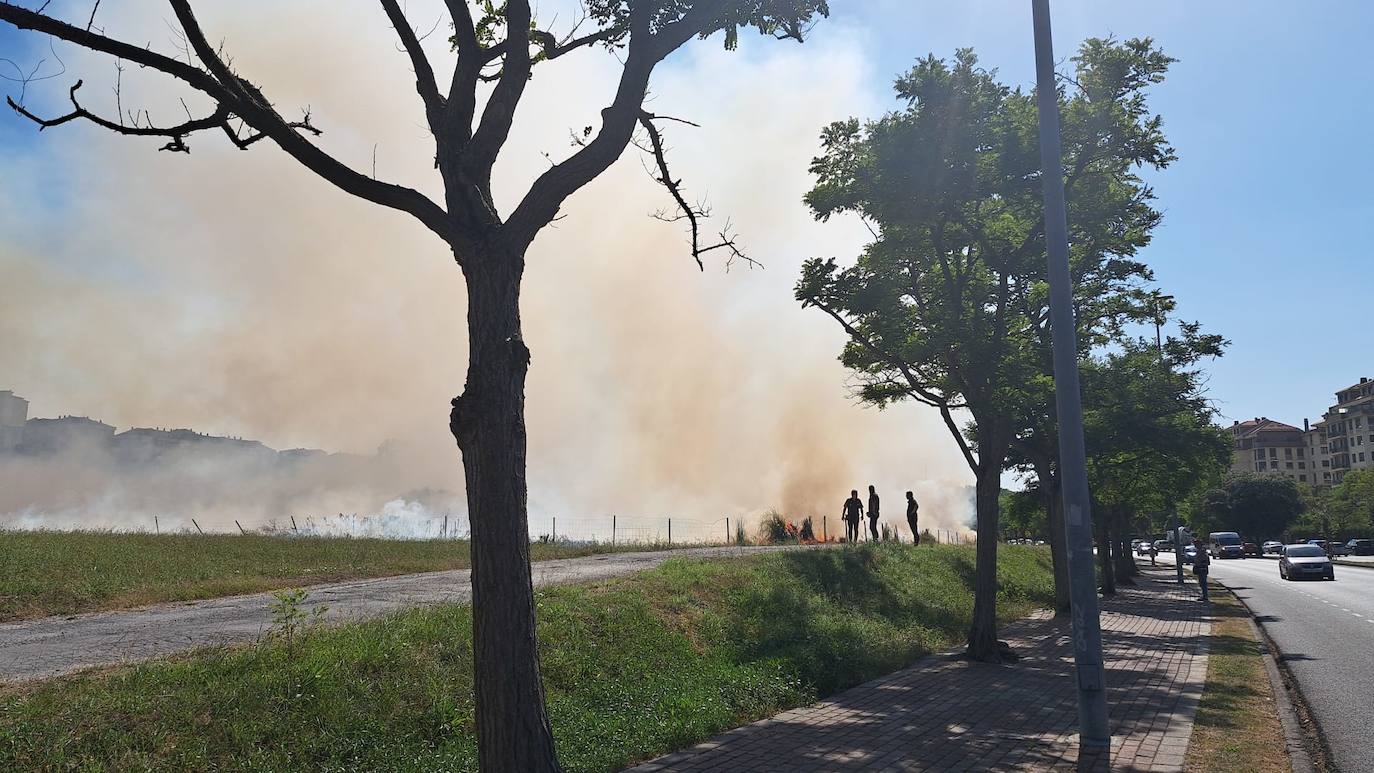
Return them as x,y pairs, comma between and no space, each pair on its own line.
633,667
60,573
1237,724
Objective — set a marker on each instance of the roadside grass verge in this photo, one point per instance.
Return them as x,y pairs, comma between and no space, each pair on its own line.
1237,725
633,667
62,573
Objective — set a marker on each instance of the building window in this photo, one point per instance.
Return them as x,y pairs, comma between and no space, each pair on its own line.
1288,453
1273,453
1326,476
1302,465
1302,478
1290,465
1259,453
1300,452
1326,462
1259,466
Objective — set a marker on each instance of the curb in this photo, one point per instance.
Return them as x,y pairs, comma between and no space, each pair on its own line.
1287,698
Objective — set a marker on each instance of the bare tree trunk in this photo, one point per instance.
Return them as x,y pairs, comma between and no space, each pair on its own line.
1059,553
982,635
488,421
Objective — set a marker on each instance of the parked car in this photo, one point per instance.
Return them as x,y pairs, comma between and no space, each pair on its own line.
1250,549
1272,546
1305,560
1360,547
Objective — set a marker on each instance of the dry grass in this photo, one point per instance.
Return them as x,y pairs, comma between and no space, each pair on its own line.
1237,726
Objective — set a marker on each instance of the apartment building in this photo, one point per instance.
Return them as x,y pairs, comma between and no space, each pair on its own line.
1266,446
1348,429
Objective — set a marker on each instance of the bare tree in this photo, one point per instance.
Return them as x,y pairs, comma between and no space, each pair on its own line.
495,44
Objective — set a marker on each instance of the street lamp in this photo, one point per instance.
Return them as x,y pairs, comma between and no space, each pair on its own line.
1093,730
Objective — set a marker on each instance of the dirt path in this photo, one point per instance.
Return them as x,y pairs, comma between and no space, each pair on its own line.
49,646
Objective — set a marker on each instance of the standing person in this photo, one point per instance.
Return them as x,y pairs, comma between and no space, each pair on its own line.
1153,552
911,508
853,511
873,513
1202,564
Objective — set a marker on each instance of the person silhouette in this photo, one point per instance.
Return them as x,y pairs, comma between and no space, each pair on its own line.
873,513
911,508
853,511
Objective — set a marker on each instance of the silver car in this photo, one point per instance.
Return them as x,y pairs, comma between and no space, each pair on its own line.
1305,561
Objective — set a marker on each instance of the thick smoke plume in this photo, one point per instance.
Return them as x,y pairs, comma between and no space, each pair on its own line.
235,293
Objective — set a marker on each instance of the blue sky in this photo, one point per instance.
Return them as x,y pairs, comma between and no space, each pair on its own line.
1268,107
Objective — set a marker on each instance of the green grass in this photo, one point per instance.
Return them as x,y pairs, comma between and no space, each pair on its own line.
61,573
633,667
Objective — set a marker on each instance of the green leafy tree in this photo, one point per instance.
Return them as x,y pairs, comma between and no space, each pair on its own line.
1150,438
1258,506
948,304
469,113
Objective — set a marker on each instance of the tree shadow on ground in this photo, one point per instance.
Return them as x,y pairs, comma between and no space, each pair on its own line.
945,713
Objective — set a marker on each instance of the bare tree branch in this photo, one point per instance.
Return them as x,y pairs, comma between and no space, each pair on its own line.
425,85
692,214
176,134
480,155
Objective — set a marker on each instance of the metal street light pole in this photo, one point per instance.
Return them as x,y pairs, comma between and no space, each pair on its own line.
1087,632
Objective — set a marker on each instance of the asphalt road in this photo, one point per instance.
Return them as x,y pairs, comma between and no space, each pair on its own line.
1325,635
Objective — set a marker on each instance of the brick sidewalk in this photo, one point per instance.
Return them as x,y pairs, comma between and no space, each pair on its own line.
948,714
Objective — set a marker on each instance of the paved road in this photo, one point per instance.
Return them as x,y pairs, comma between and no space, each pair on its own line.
1325,634
49,646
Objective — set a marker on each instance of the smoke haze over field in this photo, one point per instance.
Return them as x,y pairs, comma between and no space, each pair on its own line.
236,293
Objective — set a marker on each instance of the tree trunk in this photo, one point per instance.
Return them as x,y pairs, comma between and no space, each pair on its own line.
1104,553
488,421
1059,552
982,635
1125,558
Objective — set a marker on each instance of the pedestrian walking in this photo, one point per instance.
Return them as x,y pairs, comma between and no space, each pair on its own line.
911,508
1153,552
1202,563
851,514
873,513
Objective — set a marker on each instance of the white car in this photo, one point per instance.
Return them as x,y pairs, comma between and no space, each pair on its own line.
1272,546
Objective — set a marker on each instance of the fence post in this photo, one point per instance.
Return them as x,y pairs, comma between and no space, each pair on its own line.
193,523
293,525
445,532
670,532
825,527
241,531
727,530
612,531
156,528
554,536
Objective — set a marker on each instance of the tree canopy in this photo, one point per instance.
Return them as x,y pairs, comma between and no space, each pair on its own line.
947,305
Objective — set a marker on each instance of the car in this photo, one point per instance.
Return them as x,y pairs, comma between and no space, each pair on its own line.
1164,546
1224,544
1360,547
1272,546
1305,560
1331,548
1249,549
1142,547
1189,553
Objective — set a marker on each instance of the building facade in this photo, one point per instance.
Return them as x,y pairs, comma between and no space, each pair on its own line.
1262,445
1348,427
14,411
1319,454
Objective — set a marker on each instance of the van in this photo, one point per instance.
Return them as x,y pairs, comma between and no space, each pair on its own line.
1225,544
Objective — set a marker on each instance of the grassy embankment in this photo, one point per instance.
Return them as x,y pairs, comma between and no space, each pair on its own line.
633,667
1237,725
61,573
